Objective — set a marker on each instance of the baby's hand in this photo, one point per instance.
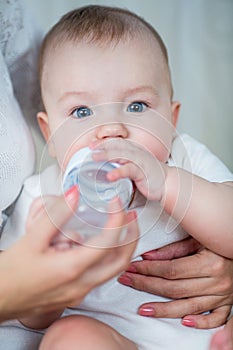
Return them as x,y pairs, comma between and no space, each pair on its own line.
137,163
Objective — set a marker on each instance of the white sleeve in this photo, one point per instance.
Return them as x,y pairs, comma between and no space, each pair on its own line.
196,158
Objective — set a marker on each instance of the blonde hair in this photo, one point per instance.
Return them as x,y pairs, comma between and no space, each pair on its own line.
98,24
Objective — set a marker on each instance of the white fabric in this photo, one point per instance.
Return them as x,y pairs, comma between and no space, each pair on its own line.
18,82
116,304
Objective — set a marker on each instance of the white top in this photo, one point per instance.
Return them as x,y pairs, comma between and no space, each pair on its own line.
116,304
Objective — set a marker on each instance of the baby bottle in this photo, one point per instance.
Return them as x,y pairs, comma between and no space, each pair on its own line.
96,191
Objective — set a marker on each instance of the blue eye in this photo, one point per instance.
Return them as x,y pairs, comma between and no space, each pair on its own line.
81,112
136,107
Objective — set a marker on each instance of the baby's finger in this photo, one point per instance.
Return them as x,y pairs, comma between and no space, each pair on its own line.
129,170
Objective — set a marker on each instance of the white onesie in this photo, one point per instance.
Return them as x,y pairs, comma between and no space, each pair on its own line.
112,302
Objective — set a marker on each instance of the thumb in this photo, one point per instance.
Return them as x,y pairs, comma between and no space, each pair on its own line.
48,214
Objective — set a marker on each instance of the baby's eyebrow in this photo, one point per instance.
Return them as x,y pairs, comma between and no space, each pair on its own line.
142,89
68,94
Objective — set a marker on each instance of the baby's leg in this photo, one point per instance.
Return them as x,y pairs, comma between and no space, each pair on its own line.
81,332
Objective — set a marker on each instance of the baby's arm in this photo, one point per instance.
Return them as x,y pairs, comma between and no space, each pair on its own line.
204,209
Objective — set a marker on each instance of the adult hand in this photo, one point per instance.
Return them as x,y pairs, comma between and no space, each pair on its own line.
223,339
36,277
199,283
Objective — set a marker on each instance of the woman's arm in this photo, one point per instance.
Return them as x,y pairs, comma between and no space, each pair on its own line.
37,279
41,321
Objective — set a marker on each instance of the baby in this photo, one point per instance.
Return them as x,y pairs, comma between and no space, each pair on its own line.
106,84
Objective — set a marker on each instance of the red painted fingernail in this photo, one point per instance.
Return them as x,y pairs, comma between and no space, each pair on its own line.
132,215
125,280
71,194
188,322
147,311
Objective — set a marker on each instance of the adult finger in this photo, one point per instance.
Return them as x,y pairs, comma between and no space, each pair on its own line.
112,243
110,235
108,262
215,318
203,264
126,246
52,215
191,306
114,259
176,289
175,250
170,269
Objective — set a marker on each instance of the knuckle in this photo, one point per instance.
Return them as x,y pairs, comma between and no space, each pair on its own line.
146,285
197,308
174,291
142,284
218,267
211,321
147,267
205,322
164,310
171,272
226,285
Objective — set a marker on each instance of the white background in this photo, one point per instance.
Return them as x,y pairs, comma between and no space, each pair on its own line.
199,38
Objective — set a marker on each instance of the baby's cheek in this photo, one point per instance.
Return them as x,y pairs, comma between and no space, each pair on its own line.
161,152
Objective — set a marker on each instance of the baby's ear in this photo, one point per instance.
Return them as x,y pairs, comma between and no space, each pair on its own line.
175,112
42,118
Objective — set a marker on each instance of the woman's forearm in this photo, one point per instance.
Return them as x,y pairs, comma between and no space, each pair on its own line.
42,321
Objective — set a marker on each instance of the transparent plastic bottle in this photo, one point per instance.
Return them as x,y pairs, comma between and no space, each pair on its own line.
96,191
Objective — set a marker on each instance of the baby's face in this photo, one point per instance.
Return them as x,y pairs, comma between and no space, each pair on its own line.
94,93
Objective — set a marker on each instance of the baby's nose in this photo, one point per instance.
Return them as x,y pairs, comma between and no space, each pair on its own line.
111,130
